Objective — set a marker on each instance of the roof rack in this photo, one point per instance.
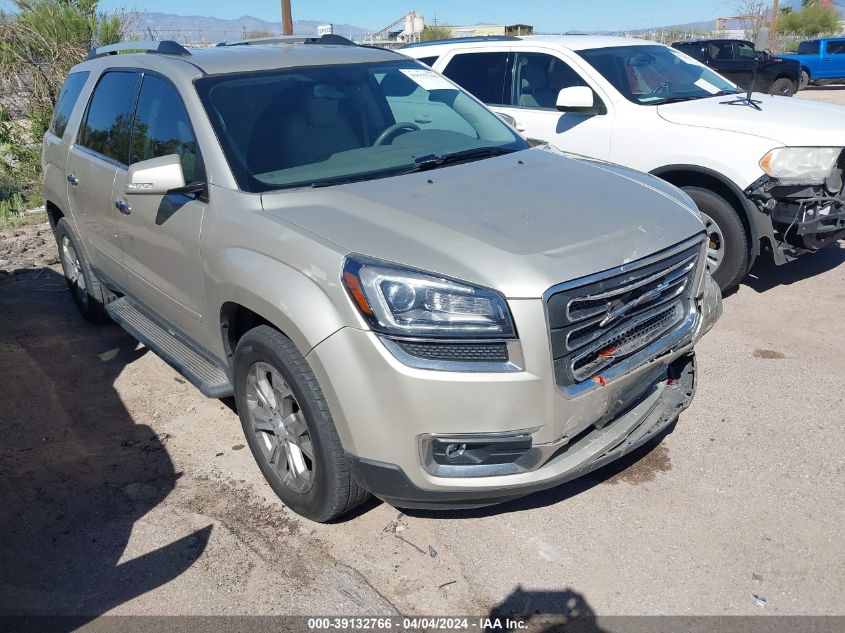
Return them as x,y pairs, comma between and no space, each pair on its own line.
162,47
476,38
329,39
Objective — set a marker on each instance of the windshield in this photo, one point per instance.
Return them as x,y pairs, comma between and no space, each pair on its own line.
326,125
651,75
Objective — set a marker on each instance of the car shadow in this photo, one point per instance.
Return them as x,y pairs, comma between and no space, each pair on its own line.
76,470
765,275
543,611
633,460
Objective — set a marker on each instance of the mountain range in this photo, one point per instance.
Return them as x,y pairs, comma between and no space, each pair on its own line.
192,28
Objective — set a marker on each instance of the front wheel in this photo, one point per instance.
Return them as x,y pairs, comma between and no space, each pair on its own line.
289,428
805,79
727,248
783,87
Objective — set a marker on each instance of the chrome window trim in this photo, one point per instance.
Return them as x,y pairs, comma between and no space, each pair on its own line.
515,362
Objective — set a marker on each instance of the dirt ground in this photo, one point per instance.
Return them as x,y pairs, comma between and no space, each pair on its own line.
126,492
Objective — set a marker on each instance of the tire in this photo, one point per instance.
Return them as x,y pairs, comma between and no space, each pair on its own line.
783,86
285,416
805,80
88,293
728,252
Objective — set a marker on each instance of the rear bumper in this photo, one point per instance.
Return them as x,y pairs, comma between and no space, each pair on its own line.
660,405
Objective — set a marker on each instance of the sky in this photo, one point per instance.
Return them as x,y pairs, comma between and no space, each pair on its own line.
544,15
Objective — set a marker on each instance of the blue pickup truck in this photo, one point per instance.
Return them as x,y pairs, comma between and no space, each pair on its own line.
821,60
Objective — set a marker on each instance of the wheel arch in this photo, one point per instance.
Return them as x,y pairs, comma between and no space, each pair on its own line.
697,176
54,214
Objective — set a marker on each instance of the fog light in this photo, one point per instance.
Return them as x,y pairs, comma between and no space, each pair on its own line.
454,451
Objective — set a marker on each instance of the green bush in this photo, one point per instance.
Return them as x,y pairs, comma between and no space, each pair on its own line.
814,19
39,42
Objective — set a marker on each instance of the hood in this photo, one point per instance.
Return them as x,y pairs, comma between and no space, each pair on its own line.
518,223
785,120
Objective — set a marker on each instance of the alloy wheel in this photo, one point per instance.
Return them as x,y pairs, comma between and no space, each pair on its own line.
279,425
715,243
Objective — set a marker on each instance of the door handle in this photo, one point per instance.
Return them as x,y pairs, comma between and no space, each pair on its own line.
123,207
72,179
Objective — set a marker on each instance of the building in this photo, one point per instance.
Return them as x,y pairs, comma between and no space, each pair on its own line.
481,30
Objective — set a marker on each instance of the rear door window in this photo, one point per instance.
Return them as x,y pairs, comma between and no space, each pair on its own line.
721,51
162,127
67,102
482,74
109,117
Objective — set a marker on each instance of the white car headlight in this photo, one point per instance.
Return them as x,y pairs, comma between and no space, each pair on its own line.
407,302
800,165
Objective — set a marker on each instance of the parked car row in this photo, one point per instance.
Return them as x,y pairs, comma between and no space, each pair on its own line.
405,296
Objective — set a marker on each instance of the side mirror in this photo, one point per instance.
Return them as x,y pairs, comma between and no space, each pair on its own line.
156,176
507,118
578,99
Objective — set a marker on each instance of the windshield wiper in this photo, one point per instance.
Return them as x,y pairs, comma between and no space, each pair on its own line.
343,180
433,161
676,100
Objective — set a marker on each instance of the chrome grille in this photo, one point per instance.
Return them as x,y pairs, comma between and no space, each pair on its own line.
600,323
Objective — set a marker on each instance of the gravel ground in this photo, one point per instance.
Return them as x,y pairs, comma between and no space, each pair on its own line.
127,492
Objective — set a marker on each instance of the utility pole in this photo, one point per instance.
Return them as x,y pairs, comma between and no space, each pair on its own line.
774,23
287,20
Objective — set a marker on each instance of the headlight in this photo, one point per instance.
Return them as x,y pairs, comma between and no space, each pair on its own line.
407,302
800,165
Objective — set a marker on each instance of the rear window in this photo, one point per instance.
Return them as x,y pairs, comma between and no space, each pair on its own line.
808,48
67,101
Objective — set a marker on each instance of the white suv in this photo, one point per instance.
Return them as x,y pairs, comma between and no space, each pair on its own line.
765,173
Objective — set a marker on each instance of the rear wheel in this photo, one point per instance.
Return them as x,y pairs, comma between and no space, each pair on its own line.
783,87
88,293
289,428
727,248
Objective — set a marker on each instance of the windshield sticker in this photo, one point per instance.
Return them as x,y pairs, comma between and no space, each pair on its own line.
427,79
706,85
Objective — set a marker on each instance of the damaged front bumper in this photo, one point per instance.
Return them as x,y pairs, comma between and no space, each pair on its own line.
799,218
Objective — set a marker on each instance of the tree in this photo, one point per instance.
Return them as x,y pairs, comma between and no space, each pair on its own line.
752,16
39,42
435,33
813,19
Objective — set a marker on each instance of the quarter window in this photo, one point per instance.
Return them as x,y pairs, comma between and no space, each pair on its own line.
67,101
539,79
162,127
809,48
428,61
482,74
107,122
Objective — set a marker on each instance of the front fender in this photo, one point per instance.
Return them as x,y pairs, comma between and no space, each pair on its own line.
306,310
